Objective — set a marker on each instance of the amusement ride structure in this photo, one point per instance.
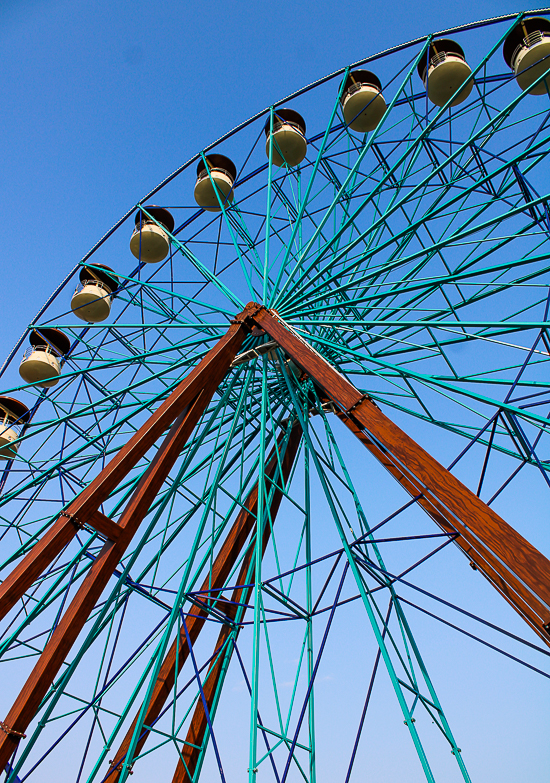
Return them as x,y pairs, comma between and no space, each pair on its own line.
190,440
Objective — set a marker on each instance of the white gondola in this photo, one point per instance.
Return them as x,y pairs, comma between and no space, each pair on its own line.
289,138
13,414
92,299
443,70
41,363
362,101
150,242
215,183
527,52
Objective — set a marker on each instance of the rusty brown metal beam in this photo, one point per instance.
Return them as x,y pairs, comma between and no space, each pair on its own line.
78,611
482,559
84,509
198,728
197,733
184,408
222,567
513,565
515,568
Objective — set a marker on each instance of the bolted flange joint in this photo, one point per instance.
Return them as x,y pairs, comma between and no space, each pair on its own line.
73,519
10,731
118,767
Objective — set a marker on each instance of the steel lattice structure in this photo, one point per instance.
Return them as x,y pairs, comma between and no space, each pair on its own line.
198,494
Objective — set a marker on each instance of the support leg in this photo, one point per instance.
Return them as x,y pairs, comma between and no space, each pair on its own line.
97,578
514,567
198,732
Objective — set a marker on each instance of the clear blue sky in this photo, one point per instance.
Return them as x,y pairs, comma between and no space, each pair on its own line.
101,100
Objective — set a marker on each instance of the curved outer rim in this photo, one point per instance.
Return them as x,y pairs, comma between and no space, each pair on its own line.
518,15
487,22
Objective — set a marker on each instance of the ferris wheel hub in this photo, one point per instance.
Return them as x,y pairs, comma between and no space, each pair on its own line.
382,255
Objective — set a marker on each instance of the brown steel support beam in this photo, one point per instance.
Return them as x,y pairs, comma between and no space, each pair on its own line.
197,732
104,525
515,567
84,509
89,592
212,585
481,559
184,408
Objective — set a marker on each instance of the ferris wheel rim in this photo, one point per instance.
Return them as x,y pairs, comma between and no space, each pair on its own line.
340,71
278,361
487,22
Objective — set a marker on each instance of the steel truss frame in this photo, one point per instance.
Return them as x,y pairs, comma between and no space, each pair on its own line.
514,567
349,327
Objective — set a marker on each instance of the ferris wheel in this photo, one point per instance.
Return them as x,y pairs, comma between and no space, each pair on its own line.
296,432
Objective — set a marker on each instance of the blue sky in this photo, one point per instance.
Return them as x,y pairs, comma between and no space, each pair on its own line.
101,100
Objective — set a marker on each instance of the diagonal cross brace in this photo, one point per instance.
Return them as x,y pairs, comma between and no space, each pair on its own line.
482,558
514,567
